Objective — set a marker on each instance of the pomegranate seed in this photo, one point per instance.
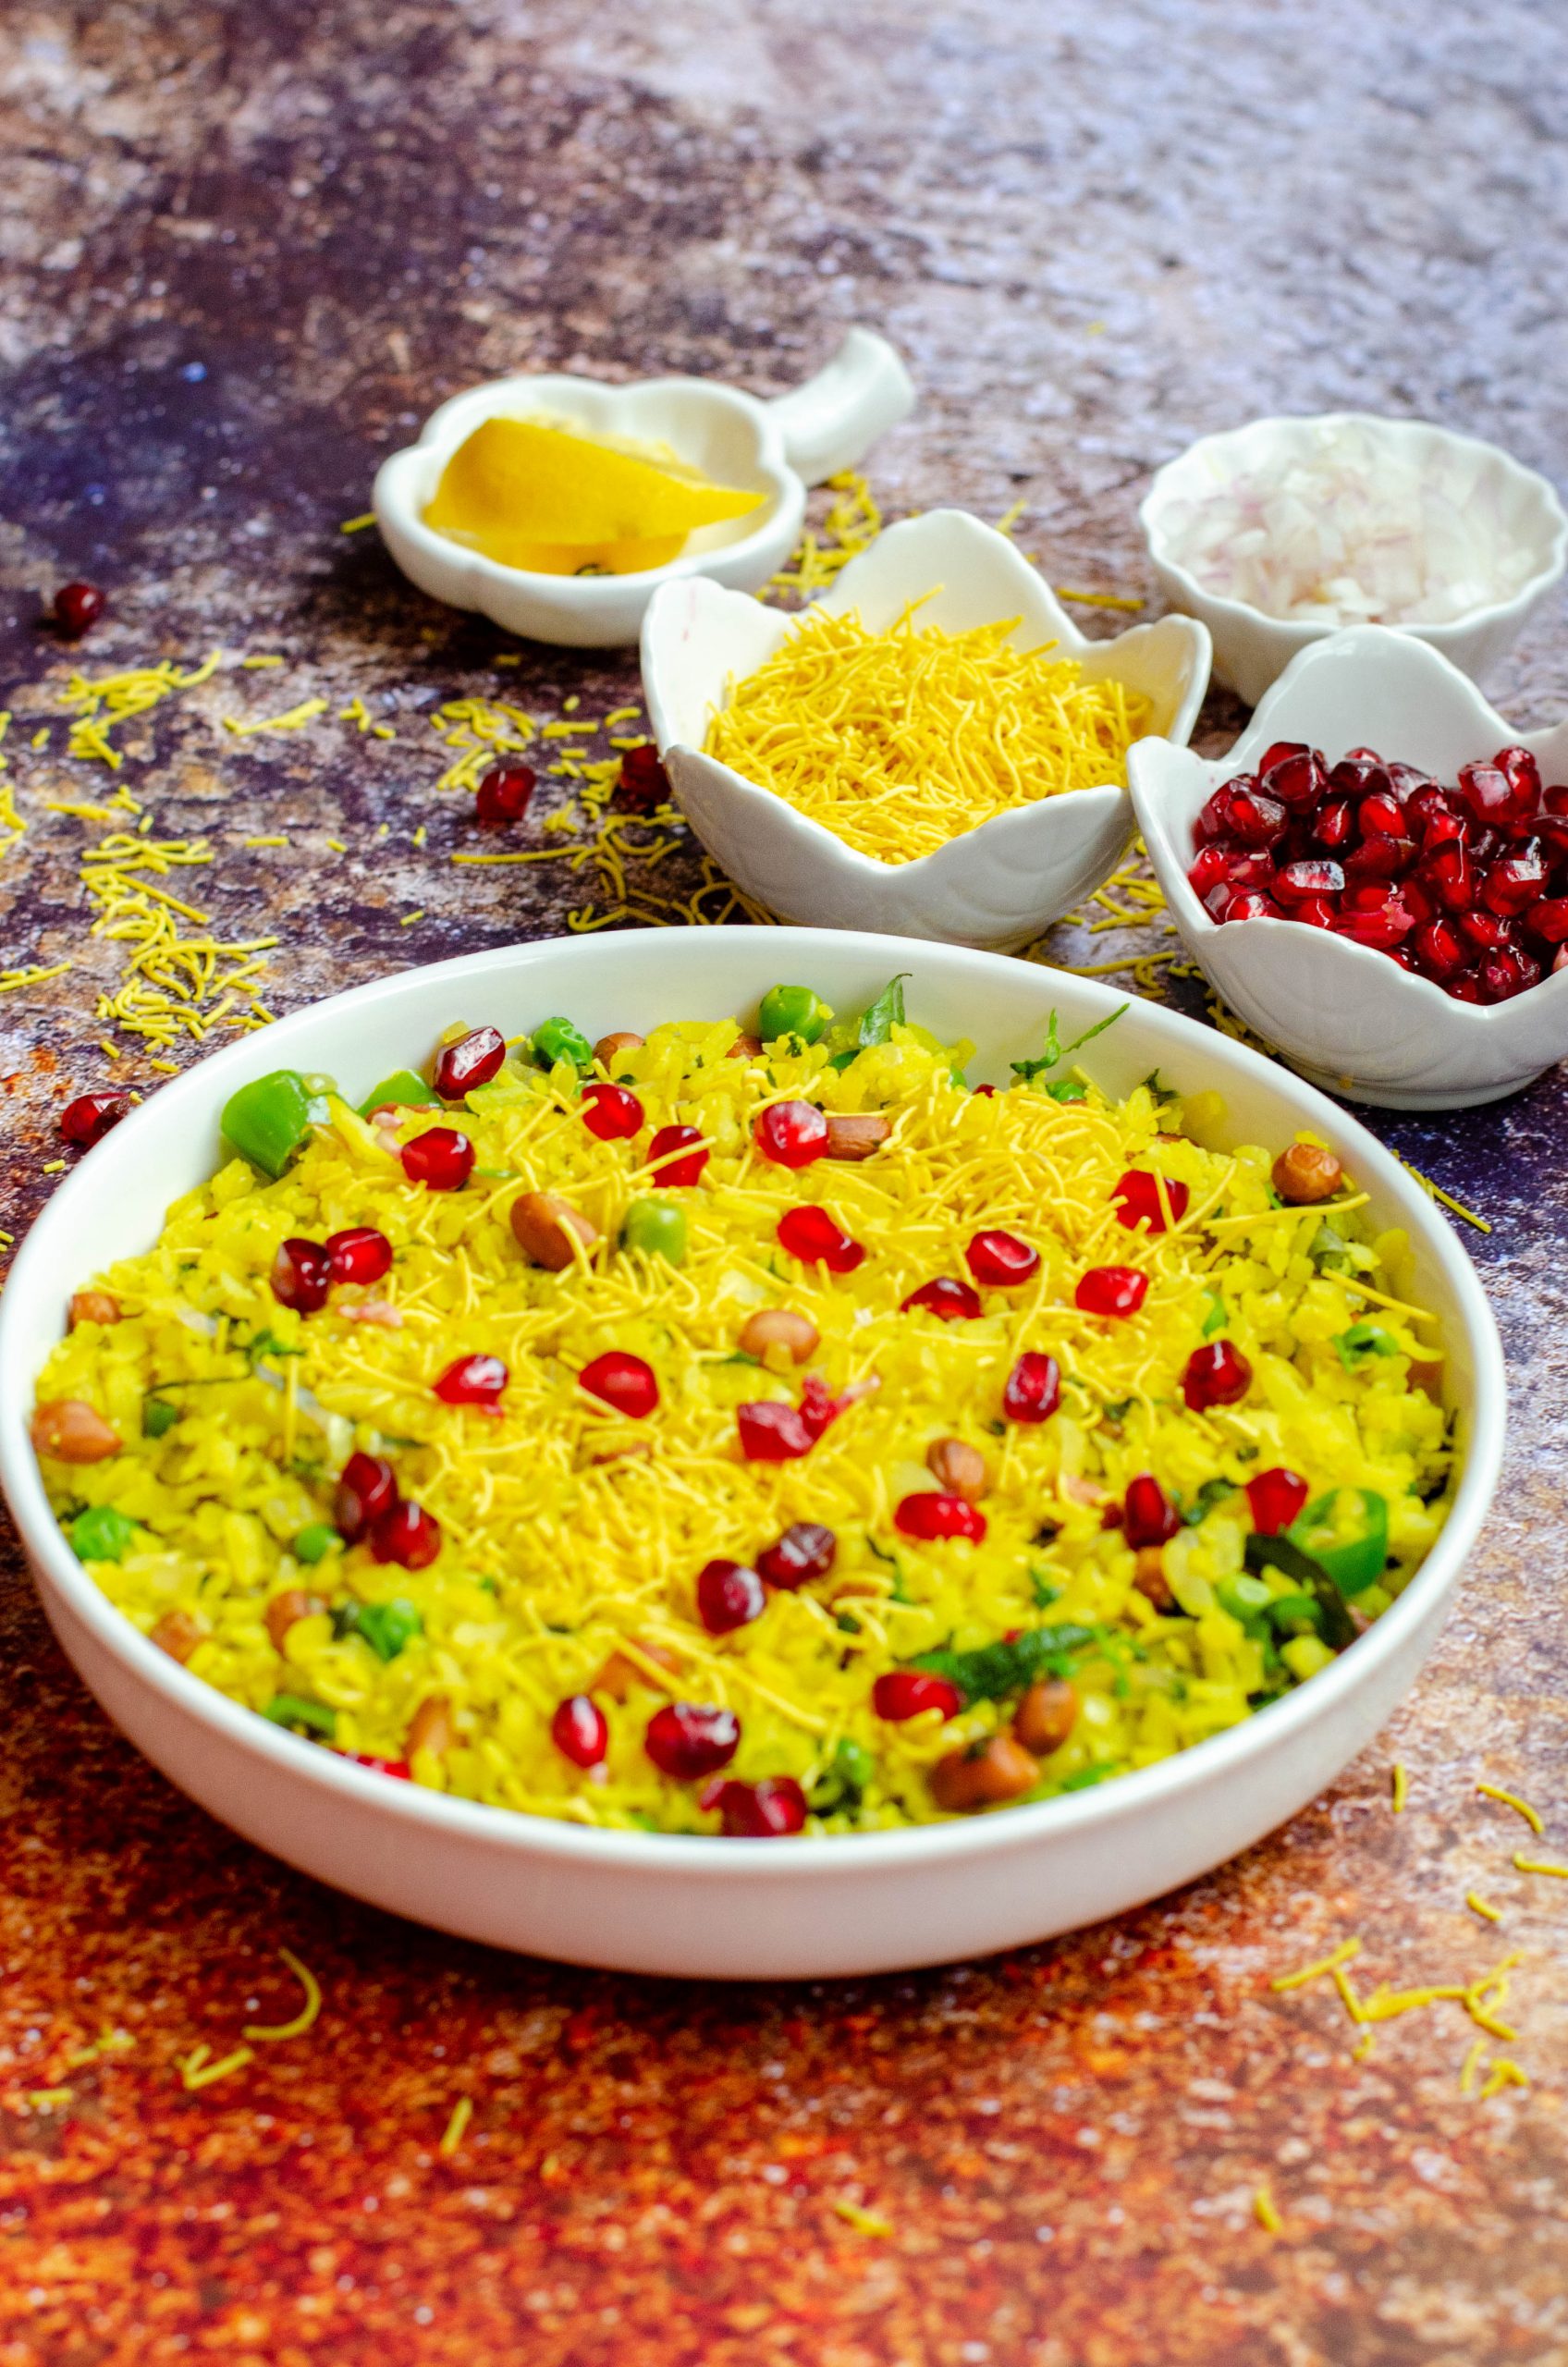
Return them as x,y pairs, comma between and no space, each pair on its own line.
1486,931
687,1740
1032,1391
301,1276
1384,920
440,1158
644,782
679,1154
772,1431
729,1596
1214,815
1493,797
611,1112
1210,869
1517,879
930,1517
88,1119
407,1535
1448,873
1507,974
1333,825
1216,1375
504,793
1137,1195
1257,820
1549,919
1439,948
1314,912
805,1551
810,1234
766,1811
580,1730
946,1296
1251,905
473,1381
1380,817
397,1767
1000,1261
366,1489
1148,1517
77,607
622,1381
1520,768
471,1062
1111,1290
1379,858
1275,1498
906,1692
1299,883
1292,775
985,1092
359,1255
791,1132
1464,987
1359,775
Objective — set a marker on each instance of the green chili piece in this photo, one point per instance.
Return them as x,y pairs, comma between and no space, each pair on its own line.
792,1010
1352,1562
401,1090
295,1709
158,1418
268,1120
658,1228
387,1626
557,1039
101,1534
315,1541
1244,1598
1334,1622
1067,1089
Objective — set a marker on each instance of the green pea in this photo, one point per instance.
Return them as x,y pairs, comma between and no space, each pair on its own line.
297,1710
315,1541
158,1418
658,1228
101,1534
557,1039
792,1010
267,1119
386,1626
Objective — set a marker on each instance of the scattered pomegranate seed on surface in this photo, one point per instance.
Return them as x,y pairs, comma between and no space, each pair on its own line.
791,1133
473,1381
78,608
765,1811
1111,1290
1275,1498
805,1551
811,1234
729,1596
1000,1261
358,1255
644,782
88,1119
1137,1196
947,1296
1148,1517
580,1731
611,1112
933,1517
471,1062
407,1535
1033,1390
625,1383
504,793
688,1740
905,1692
678,1155
772,1431
367,1488
301,1276
1216,1375
440,1158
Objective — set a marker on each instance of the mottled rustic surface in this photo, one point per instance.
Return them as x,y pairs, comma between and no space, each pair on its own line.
247,248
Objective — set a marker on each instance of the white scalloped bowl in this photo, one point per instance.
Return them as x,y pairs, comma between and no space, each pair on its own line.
997,885
1252,648
1344,1014
664,1903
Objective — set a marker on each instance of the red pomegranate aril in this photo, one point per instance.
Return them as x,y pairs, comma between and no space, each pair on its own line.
504,794
1555,799
1274,1497
1549,919
644,782
473,1381
729,1596
908,1692
771,1430
471,1062
580,1730
769,1810
1295,778
1111,1290
1464,987
931,1518
1493,797
1521,769
1032,1389
1276,753
1402,955
1361,774
806,1551
1148,1517
1380,817
611,1113
1316,912
1137,1195
688,1740
680,1155
1515,880
1214,815
1450,876
1000,1261
88,1119
1257,820
301,1276
1488,932
623,1382
1379,858
359,1255
952,1300
407,1535
367,1488
1210,868
440,1158
1216,1375
1251,904
78,608
1219,900
1333,826
1508,973
397,1767
1300,883
792,1134
1440,950
812,1235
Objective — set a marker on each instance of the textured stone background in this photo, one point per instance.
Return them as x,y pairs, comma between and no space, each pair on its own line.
246,250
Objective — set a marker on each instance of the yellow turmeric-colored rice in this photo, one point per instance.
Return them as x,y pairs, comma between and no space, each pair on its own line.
572,1536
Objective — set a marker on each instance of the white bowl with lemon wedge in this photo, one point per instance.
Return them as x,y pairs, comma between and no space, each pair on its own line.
558,505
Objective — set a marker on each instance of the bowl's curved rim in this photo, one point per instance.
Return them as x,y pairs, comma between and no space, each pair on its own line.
1305,630
845,1856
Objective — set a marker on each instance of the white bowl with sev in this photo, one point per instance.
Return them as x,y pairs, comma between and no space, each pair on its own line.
979,820
659,1903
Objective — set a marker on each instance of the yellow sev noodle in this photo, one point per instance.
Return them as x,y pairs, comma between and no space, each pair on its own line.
898,741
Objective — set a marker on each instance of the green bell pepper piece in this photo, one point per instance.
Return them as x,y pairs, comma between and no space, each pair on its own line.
101,1534
658,1228
401,1090
269,1118
792,1010
1355,1562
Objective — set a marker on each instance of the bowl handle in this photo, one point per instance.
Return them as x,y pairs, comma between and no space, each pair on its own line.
834,418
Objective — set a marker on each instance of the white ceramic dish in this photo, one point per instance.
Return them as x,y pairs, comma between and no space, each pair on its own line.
728,1908
997,885
1348,1017
777,448
1250,648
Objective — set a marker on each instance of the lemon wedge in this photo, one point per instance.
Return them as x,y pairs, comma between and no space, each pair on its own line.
530,495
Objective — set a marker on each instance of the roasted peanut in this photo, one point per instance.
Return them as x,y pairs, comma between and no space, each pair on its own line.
1046,1715
546,1226
779,1327
621,1673
1150,1578
71,1432
1306,1172
285,1608
430,1728
958,1468
746,1048
94,1307
857,1136
608,1048
996,1770
178,1634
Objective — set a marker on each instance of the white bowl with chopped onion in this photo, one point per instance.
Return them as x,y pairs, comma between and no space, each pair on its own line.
996,881
1282,532
695,1906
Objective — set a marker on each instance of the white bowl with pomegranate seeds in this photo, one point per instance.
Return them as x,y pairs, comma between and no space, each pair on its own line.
663,1904
1282,532
1345,1014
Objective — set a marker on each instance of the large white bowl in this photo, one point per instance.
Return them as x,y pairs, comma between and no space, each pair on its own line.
1346,1015
730,1908
997,886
